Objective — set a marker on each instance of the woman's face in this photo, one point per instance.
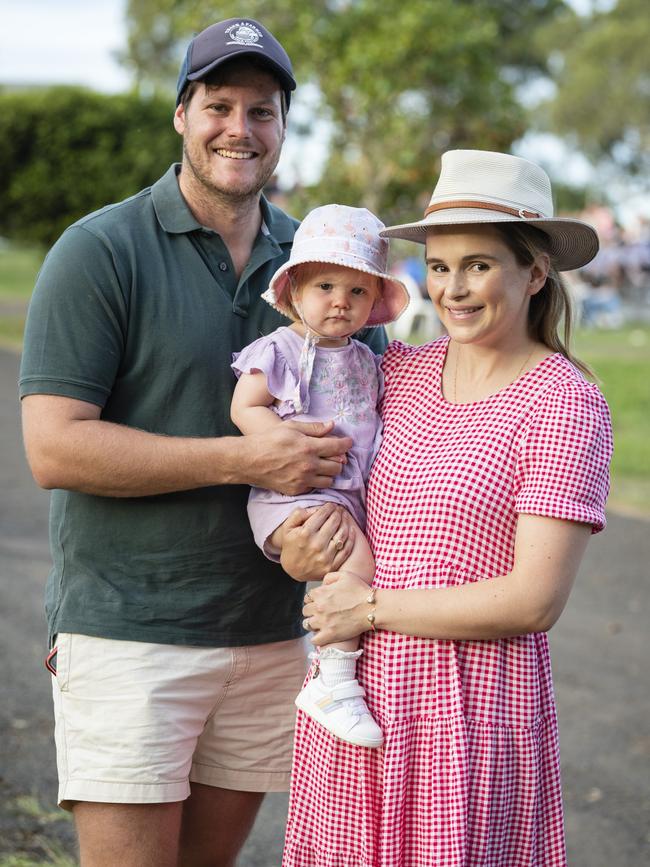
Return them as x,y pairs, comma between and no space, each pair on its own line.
480,291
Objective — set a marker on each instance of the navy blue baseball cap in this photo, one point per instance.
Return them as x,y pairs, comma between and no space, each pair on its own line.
226,40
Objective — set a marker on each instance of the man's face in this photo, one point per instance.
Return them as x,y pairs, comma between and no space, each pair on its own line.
232,133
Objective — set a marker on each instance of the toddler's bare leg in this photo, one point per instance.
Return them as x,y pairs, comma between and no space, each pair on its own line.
276,539
360,563
333,696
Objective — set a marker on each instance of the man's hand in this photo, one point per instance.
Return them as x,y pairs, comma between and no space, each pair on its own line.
293,457
70,446
312,541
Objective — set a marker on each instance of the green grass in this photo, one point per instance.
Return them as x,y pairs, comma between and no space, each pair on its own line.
18,268
28,807
622,363
11,330
621,360
54,858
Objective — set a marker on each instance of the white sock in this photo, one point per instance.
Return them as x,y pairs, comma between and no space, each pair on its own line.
338,666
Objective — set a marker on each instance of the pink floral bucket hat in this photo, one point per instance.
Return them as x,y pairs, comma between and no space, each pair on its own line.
341,235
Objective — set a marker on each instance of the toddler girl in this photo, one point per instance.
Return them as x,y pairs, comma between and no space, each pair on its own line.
334,284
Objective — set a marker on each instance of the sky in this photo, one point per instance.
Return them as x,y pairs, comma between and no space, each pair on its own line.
62,42
74,42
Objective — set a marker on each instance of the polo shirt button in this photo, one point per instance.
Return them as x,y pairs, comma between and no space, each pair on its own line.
223,266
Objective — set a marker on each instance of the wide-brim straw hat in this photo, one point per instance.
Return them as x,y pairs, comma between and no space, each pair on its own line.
341,235
487,187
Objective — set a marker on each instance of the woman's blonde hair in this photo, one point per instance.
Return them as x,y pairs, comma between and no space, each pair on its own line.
550,315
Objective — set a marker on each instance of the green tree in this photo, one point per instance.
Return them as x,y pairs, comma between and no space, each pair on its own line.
66,151
600,69
398,82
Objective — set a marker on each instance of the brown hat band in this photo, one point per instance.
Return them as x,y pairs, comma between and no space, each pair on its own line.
484,206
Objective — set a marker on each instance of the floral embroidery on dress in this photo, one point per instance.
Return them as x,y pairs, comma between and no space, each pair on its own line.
350,386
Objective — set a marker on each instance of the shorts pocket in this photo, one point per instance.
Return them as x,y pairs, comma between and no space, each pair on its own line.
61,659
50,660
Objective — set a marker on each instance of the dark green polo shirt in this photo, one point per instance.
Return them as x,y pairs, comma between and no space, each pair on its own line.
137,309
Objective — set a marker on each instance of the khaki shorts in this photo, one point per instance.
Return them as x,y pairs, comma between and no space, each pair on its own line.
136,722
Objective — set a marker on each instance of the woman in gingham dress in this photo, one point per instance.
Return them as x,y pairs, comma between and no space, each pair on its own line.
492,474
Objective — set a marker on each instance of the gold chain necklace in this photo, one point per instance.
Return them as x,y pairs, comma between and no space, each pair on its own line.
516,376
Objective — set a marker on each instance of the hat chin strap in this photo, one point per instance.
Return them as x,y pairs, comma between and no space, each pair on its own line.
311,331
307,357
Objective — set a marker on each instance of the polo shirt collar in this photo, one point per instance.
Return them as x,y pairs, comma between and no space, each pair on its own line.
171,208
280,226
175,216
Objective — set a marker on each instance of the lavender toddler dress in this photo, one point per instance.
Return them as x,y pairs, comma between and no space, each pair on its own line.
345,384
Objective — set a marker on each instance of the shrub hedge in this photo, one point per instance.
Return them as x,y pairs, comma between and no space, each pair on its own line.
66,151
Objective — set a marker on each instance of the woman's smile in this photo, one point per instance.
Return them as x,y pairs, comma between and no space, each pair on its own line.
462,312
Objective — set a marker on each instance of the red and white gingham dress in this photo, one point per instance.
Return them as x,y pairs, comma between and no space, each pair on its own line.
469,774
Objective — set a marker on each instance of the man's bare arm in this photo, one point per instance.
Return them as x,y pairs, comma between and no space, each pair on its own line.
69,446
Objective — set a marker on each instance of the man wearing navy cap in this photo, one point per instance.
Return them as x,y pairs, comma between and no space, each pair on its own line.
176,647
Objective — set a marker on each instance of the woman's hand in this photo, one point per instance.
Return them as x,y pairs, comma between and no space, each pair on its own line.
316,541
527,599
338,609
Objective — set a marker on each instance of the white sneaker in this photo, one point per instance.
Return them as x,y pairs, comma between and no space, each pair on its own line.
341,710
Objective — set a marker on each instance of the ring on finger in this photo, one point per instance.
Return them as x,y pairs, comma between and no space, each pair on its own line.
338,543
305,624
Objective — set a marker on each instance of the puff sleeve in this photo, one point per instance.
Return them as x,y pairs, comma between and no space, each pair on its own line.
564,455
266,356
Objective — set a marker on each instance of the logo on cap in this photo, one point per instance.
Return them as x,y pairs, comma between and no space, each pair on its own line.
243,33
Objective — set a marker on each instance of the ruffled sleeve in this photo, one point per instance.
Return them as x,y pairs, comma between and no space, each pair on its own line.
564,456
266,355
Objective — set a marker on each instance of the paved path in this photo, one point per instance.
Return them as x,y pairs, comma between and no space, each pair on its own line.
601,672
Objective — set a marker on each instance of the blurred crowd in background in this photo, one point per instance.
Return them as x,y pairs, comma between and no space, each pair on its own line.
614,288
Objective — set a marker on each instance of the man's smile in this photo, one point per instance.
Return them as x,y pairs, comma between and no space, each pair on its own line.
235,155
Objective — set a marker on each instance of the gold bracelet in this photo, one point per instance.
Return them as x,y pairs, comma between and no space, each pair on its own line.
372,600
